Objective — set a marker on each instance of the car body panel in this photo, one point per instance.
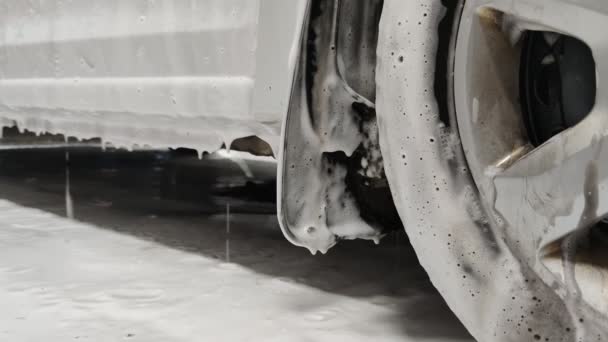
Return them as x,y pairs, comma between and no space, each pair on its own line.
162,73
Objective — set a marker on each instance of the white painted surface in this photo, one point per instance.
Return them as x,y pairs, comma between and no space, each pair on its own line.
83,67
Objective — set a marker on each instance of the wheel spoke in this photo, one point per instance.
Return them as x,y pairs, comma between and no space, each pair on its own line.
555,189
550,181
558,169
578,18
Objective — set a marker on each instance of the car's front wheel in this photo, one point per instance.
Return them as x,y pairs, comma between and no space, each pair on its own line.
493,143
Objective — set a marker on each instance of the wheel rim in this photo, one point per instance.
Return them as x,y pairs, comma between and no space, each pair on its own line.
457,210
546,200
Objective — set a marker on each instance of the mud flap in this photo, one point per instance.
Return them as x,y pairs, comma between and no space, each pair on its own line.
330,149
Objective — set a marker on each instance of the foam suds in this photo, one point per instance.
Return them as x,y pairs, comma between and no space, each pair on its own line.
316,206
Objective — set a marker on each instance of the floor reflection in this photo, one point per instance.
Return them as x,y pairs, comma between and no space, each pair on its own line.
181,201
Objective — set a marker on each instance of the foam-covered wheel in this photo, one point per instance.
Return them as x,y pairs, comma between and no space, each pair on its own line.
506,227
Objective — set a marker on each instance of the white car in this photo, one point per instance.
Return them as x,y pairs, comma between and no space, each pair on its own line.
479,126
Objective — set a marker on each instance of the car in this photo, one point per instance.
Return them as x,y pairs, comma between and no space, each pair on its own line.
478,126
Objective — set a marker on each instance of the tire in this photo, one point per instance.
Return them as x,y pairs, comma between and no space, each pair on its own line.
482,211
